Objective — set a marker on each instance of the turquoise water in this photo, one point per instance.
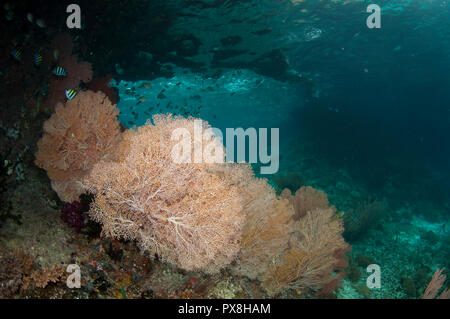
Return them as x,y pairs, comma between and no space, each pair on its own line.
363,113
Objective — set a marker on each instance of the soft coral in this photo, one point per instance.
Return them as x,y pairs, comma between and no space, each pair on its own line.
73,214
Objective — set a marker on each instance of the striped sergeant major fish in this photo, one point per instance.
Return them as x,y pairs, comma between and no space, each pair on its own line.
16,54
70,94
37,59
59,71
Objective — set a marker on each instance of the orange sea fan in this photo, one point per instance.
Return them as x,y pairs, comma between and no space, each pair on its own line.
190,214
307,198
267,230
291,242
315,253
79,134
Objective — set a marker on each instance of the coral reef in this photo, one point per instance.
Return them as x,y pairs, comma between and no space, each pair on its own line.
5,205
204,216
15,269
79,134
19,272
43,277
10,274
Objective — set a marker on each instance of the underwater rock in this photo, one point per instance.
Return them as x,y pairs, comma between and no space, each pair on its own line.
188,46
363,290
365,216
409,287
273,64
220,55
430,236
353,272
364,261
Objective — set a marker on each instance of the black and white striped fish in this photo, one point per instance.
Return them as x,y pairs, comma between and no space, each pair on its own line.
59,71
70,94
37,59
16,54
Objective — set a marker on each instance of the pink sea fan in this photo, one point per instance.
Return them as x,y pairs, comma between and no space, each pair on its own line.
80,133
190,214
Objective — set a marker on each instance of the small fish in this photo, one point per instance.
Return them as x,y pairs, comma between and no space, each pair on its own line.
119,69
340,214
147,85
37,59
56,54
59,71
30,17
70,94
141,99
44,89
195,97
40,23
16,54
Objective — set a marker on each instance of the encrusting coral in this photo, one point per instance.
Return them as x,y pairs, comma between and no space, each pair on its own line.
19,272
80,133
